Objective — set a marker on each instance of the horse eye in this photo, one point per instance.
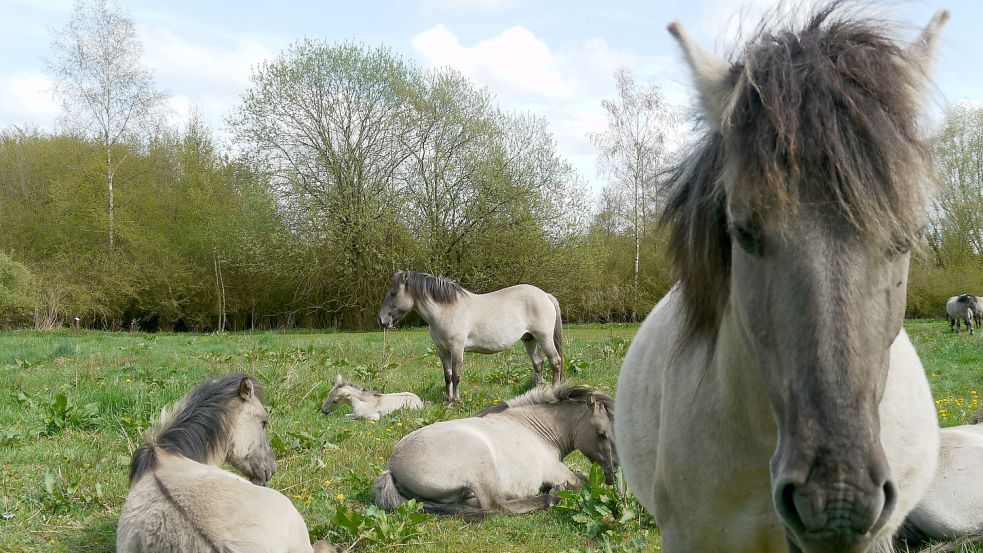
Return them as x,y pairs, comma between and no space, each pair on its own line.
748,237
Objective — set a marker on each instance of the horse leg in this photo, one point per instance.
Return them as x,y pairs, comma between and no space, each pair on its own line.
556,363
537,359
528,504
457,360
445,360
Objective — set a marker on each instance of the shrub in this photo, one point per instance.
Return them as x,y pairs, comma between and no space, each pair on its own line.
18,294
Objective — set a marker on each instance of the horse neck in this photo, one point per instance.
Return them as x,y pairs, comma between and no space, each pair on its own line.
433,312
556,425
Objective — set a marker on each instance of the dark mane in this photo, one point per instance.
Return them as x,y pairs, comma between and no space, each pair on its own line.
564,393
824,117
196,427
427,286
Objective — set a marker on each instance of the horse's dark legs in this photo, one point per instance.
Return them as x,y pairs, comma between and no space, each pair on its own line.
457,361
556,363
445,360
537,359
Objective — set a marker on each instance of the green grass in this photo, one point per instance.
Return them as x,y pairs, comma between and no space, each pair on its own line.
62,485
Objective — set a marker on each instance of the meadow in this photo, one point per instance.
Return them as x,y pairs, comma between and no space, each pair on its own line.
74,406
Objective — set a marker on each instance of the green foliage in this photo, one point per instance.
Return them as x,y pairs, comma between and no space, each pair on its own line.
374,527
18,293
507,375
61,412
603,511
60,494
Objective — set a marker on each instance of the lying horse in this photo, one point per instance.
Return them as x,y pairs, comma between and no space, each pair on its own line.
502,459
793,217
367,404
485,323
961,308
182,500
952,508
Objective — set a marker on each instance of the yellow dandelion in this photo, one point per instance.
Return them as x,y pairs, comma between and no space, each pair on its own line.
340,497
399,424
128,381
296,497
372,423
327,482
52,541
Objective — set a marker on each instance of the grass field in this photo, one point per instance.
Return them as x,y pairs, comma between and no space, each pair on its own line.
73,407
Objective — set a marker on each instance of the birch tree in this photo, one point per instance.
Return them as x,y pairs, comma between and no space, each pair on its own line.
634,151
104,89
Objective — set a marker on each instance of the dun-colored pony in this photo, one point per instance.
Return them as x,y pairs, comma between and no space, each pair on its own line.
962,309
501,460
485,323
790,225
182,500
367,404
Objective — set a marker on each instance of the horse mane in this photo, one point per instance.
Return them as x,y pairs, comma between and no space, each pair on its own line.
563,393
196,427
824,117
358,387
426,286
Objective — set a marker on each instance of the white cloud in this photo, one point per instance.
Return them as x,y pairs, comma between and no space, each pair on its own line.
26,98
565,85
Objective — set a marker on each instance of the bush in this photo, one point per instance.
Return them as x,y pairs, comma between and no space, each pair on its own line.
18,294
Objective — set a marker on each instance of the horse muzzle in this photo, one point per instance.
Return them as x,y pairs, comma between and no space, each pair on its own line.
837,518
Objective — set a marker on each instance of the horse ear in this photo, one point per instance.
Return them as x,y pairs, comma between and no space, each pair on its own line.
246,388
711,73
338,380
922,51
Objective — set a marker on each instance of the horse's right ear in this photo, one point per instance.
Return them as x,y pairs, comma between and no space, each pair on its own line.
338,380
246,388
712,74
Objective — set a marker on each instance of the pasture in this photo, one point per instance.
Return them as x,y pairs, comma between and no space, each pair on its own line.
73,407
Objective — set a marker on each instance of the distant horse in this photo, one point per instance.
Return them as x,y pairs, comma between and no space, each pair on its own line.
500,460
367,404
182,500
789,227
963,309
978,312
952,508
485,323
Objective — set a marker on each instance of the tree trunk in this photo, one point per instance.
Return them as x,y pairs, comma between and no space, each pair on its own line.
109,180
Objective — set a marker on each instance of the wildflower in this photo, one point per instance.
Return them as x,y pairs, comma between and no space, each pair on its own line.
399,424
340,497
296,497
52,541
327,482
372,423
128,381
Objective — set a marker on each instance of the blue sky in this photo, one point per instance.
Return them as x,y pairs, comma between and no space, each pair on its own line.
554,59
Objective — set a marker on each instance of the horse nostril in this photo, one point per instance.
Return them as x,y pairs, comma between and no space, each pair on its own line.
787,510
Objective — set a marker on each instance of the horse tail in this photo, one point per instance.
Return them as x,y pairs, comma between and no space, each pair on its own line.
557,330
387,495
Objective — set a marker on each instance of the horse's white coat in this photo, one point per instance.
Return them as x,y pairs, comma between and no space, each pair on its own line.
367,404
685,436
953,505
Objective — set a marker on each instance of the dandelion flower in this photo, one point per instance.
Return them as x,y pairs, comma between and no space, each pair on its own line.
340,497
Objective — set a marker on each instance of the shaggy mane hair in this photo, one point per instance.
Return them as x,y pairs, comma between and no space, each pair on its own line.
426,286
196,427
564,393
822,119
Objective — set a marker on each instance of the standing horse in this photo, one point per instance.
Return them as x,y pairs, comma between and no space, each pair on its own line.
962,308
485,323
182,500
790,225
500,460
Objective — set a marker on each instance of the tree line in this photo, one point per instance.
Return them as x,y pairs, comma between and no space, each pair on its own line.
346,164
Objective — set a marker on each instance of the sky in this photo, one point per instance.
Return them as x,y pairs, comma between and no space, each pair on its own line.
555,59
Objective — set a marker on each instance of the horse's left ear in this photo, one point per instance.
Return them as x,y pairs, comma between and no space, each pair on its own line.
922,52
246,388
712,74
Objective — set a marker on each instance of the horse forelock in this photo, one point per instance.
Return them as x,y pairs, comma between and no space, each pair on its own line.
197,426
823,118
426,286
